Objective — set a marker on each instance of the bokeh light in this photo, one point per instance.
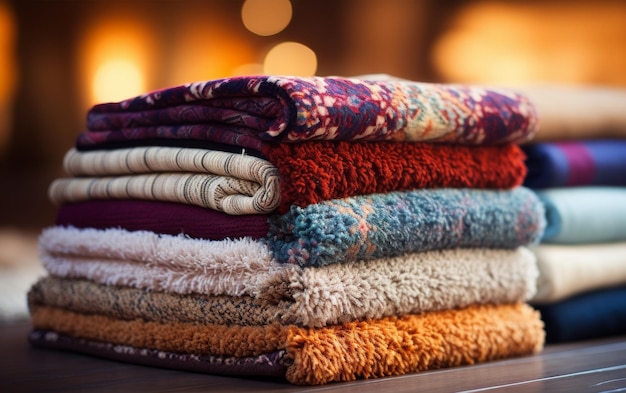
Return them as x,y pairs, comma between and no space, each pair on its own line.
117,79
266,17
290,58
519,42
116,55
8,71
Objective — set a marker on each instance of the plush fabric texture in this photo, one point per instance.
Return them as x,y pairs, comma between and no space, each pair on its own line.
577,215
306,296
267,365
314,172
356,350
427,291
161,217
576,163
89,297
309,172
382,225
577,112
596,314
251,111
568,270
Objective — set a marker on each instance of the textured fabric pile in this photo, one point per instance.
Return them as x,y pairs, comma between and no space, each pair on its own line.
310,229
578,169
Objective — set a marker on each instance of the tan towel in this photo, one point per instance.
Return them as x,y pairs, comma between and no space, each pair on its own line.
568,270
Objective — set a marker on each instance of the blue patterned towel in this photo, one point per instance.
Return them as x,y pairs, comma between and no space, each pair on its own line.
577,215
391,224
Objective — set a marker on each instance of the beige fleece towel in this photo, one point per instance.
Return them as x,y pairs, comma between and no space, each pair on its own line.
568,270
336,293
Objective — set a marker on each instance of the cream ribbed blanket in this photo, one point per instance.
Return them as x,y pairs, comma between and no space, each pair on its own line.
568,270
336,293
228,182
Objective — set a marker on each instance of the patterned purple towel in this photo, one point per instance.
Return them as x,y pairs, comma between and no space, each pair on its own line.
252,111
576,163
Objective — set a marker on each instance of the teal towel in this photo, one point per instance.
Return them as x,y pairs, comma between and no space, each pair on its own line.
580,215
391,224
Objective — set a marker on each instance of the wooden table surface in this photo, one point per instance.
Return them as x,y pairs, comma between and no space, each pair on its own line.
592,366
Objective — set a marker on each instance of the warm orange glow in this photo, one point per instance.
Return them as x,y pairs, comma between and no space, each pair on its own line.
116,80
203,51
266,17
502,42
115,56
290,58
8,71
248,69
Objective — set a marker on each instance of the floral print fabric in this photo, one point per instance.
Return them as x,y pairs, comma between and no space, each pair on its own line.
253,111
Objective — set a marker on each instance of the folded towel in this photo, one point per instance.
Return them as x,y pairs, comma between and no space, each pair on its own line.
307,296
576,163
383,225
161,217
309,173
386,225
596,314
356,350
233,183
568,270
584,214
272,364
251,111
578,112
422,293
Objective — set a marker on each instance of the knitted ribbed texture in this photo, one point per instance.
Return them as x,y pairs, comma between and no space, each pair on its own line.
332,294
355,350
249,111
391,224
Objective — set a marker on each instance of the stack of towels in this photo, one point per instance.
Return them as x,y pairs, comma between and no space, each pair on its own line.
577,166
312,229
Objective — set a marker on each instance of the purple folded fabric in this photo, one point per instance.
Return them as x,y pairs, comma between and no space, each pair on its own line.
161,217
252,111
576,163
272,364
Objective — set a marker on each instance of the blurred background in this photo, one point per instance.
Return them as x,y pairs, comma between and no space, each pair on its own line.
58,58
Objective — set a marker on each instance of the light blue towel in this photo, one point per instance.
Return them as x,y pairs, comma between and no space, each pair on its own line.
578,215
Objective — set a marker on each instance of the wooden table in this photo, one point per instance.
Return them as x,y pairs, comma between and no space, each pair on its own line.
592,366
